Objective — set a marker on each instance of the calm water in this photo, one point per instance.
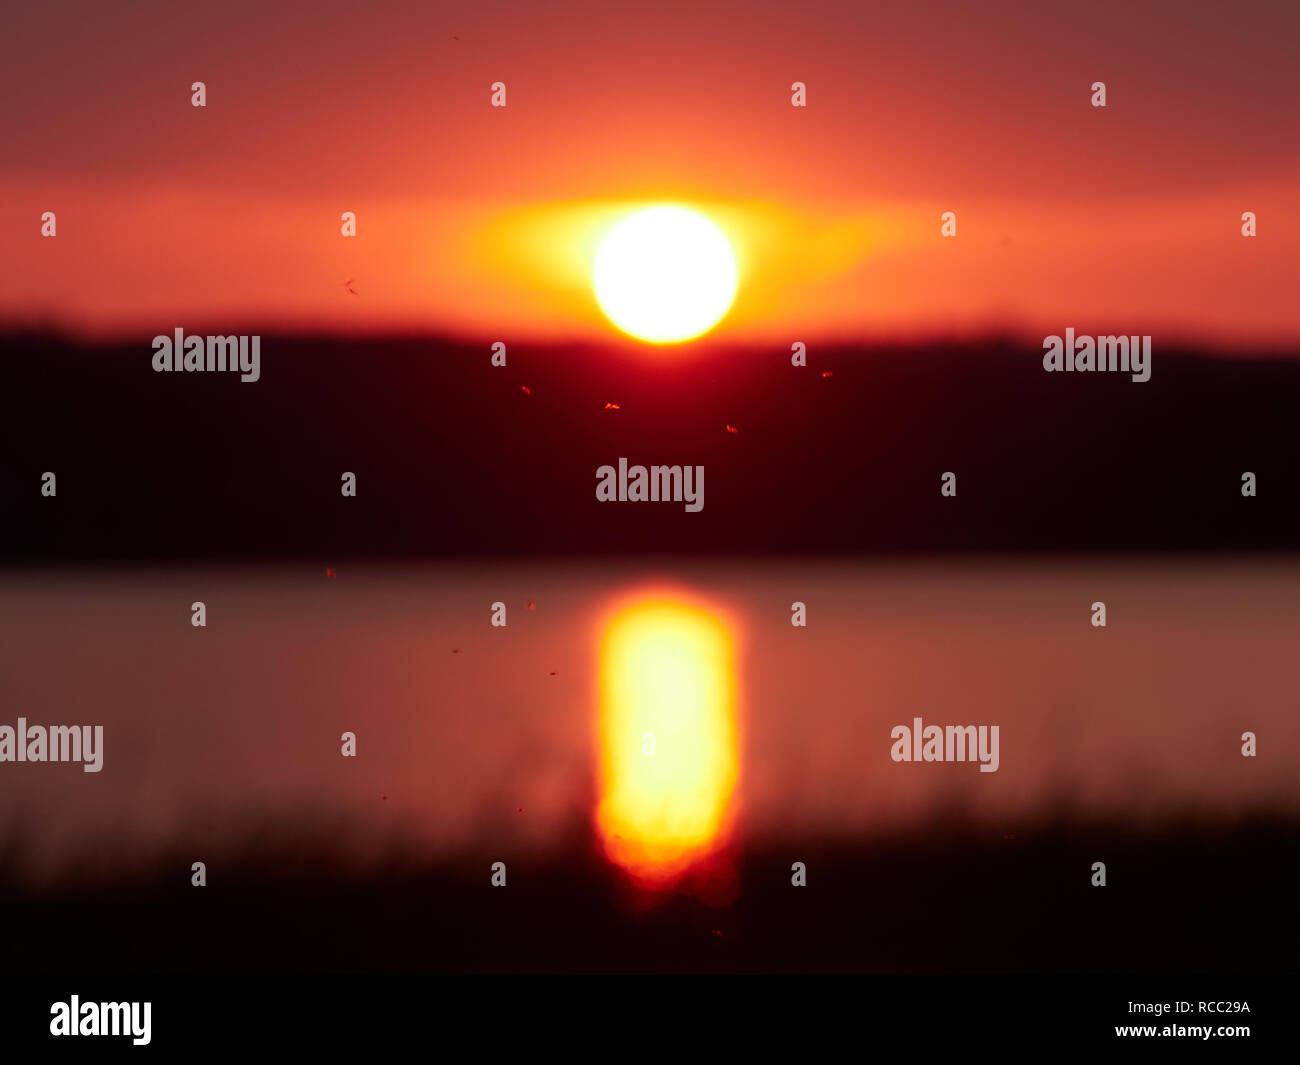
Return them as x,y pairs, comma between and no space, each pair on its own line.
469,734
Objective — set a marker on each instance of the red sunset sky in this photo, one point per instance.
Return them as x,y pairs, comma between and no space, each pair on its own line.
481,221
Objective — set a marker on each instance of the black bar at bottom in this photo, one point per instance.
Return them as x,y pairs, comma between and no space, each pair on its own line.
678,1015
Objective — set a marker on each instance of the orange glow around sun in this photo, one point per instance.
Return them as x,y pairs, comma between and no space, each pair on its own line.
668,736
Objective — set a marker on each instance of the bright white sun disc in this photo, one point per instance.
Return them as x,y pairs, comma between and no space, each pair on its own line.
665,274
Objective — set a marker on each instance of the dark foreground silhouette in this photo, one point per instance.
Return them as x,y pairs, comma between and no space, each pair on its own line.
955,897
454,457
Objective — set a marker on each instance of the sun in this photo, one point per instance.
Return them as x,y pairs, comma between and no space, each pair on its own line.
665,274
